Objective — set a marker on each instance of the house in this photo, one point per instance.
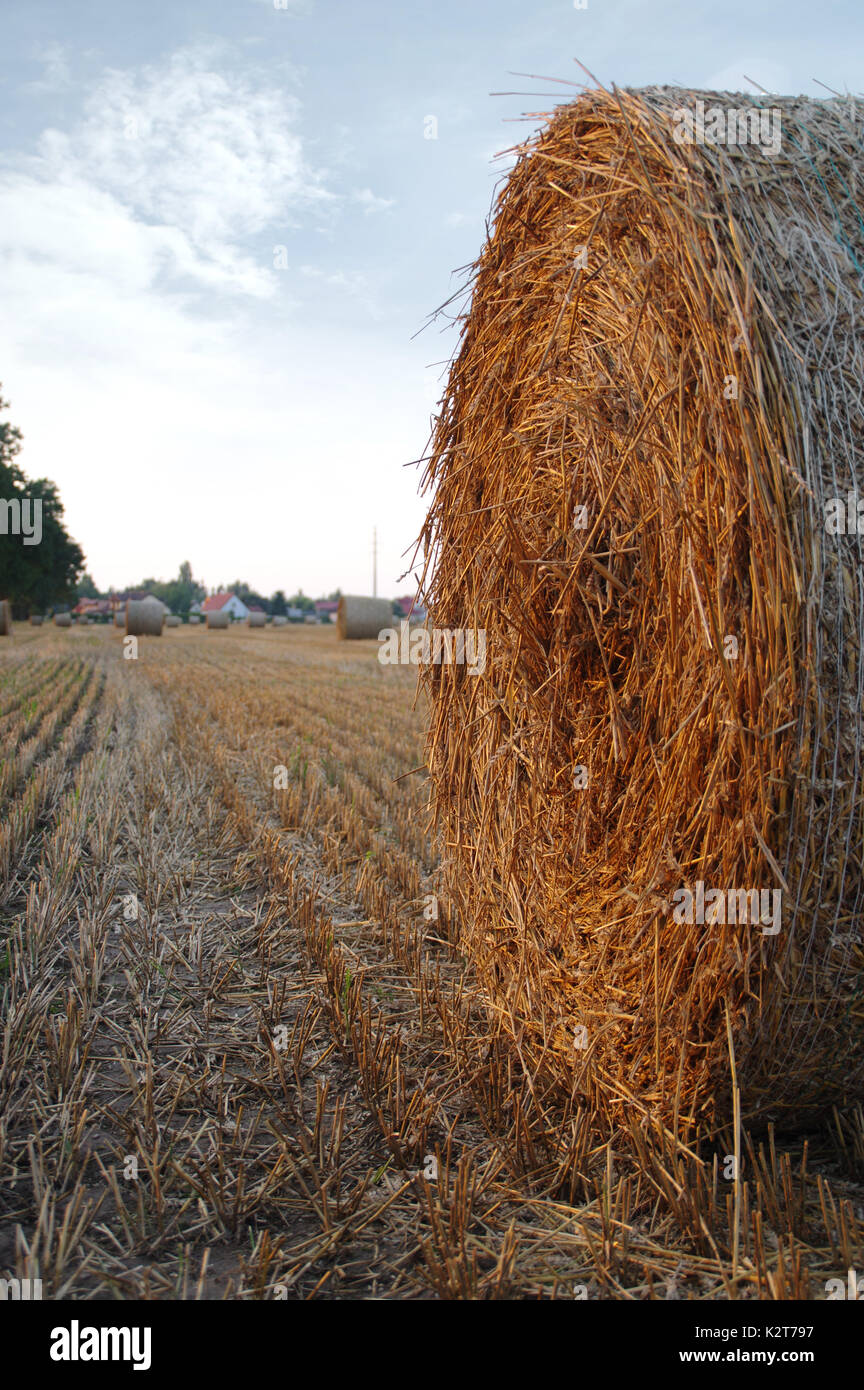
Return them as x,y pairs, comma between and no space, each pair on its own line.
411,609
117,602
225,603
92,607
326,609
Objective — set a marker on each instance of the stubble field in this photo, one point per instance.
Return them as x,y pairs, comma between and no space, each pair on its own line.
242,1056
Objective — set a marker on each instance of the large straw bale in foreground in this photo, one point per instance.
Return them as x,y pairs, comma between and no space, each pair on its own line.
656,401
360,617
144,618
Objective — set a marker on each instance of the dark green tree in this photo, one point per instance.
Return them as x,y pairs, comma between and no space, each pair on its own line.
86,587
39,575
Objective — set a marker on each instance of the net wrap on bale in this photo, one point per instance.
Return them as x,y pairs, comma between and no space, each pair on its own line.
653,411
359,617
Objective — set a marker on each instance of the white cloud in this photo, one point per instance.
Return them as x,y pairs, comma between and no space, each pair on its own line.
370,202
201,157
351,283
56,76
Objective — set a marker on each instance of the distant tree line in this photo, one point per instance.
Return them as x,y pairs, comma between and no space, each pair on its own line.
180,593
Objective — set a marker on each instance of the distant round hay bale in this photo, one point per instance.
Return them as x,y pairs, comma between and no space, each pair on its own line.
361,617
5,618
62,619
257,620
120,618
654,414
145,617
280,620
172,620
218,620
35,619
194,618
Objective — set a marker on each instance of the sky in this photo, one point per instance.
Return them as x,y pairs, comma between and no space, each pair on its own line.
225,227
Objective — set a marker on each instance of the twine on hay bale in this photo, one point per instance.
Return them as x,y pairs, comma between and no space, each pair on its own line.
5,618
218,620
666,335
144,617
257,620
360,617
62,619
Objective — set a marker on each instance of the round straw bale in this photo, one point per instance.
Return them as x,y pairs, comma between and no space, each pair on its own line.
145,617
62,619
646,472
194,618
257,620
218,620
359,616
5,618
120,618
172,620
279,620
35,619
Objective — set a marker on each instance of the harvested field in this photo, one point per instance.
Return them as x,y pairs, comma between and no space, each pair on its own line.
243,1057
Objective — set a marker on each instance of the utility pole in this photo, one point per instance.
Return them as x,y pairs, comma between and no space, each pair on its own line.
374,561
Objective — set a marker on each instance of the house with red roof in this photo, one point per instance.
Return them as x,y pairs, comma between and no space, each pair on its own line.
222,603
411,608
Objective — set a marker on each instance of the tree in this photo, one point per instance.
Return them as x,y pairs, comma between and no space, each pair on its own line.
180,593
278,604
39,562
299,600
86,587
249,596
